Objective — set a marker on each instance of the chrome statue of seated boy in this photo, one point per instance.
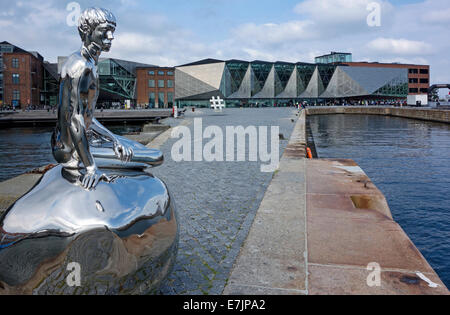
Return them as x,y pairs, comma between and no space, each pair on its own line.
99,208
79,137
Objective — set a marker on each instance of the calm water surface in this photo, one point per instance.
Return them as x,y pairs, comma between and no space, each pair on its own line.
24,149
409,161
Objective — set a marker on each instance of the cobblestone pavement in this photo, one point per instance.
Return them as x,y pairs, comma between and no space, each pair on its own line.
216,202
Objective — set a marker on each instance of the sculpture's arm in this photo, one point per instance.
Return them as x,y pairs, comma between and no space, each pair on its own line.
123,152
78,102
77,129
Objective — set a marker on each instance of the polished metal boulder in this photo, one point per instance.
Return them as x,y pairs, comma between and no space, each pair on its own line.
122,236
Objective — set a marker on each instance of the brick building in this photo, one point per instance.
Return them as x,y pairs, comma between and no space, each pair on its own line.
155,86
22,78
418,75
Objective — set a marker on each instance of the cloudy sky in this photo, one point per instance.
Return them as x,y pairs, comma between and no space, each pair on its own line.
173,32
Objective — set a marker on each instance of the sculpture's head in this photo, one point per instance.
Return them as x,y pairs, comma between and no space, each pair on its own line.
96,26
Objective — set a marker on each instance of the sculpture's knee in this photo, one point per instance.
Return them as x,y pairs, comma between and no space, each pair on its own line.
61,152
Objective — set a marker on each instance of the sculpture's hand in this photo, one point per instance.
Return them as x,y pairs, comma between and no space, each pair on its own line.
92,177
124,153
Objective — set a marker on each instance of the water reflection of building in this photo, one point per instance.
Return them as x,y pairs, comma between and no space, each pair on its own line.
279,83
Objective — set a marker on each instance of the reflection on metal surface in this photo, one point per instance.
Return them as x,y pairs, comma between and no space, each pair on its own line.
99,208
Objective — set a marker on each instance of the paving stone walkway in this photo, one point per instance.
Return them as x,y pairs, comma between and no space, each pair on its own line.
217,203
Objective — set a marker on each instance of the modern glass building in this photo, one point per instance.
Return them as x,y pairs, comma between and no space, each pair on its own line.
261,83
117,80
334,57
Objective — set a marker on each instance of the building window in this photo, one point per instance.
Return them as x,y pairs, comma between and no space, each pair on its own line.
425,81
423,71
170,83
15,63
170,98
169,72
413,80
414,71
414,90
15,78
160,72
161,100
151,99
151,83
423,90
160,83
151,72
16,95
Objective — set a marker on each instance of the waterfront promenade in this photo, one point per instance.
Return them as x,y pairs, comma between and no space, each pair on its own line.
427,114
43,117
320,225
312,227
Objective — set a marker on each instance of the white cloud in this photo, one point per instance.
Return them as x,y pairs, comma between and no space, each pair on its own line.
440,16
413,33
275,33
339,11
400,46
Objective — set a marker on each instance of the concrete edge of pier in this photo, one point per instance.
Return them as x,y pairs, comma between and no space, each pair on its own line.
48,118
427,114
324,228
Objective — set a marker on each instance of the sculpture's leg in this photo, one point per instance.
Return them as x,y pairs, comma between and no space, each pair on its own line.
143,157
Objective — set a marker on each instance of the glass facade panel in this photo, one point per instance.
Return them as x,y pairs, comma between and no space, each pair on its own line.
170,98
326,73
260,73
397,87
283,73
116,80
151,99
104,67
237,73
304,73
161,99
334,57
15,78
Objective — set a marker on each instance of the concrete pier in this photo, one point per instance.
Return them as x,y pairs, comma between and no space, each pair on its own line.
42,117
426,114
321,229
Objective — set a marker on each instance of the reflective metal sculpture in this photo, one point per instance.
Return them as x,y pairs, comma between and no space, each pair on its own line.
98,209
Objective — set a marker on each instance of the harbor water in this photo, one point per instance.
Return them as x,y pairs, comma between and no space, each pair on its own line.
409,161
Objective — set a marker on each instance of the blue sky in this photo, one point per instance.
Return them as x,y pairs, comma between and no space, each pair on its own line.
173,32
